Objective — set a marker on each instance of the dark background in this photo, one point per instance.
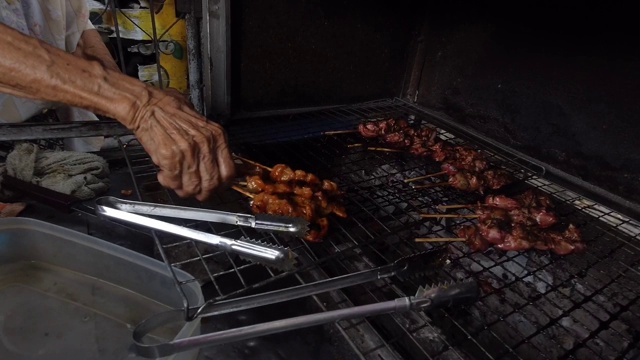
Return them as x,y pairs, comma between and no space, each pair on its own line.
556,81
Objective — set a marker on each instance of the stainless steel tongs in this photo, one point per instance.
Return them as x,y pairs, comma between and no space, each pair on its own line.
426,298
252,250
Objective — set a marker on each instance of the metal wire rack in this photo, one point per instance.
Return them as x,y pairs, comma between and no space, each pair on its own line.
535,304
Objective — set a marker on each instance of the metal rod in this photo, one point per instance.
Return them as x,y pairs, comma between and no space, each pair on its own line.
20,132
195,63
114,13
156,47
272,327
292,293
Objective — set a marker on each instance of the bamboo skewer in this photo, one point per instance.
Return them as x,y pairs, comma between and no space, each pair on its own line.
242,191
454,216
383,149
427,186
425,176
337,132
430,240
241,183
445,207
252,162
354,145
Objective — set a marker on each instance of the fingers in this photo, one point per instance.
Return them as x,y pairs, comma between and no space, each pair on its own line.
208,167
226,166
193,155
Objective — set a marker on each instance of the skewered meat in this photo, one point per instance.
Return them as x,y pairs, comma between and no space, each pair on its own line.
475,241
470,181
398,134
502,202
492,232
374,129
440,151
495,178
516,240
533,217
520,238
528,199
538,217
296,193
493,215
513,225
532,198
562,243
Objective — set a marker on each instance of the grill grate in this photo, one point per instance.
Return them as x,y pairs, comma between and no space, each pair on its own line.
535,305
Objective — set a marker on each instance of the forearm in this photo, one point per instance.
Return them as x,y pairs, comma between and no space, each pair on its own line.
33,69
91,47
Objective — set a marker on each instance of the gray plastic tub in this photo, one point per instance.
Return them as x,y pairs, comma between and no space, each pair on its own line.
67,295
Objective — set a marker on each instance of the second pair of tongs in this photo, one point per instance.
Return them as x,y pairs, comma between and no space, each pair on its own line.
426,298
256,251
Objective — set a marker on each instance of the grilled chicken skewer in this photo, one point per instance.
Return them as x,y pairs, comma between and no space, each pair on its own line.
286,192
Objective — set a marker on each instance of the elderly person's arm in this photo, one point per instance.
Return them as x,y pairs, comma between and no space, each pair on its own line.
91,47
192,154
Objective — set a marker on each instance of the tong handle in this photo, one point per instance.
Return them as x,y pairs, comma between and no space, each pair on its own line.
180,212
296,292
428,260
454,294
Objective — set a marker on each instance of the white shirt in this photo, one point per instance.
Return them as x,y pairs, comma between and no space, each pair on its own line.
60,23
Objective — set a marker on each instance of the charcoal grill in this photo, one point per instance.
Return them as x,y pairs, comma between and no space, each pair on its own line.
534,305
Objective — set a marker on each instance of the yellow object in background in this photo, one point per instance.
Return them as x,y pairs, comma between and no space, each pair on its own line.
171,31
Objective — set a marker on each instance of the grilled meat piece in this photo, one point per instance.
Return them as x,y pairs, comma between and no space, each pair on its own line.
496,179
516,240
492,232
529,199
474,239
502,202
533,198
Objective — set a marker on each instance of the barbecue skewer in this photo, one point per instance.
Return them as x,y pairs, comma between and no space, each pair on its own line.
425,176
354,145
431,240
242,191
464,206
337,132
383,149
252,162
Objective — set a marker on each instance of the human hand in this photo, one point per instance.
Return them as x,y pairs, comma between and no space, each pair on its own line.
191,152
180,96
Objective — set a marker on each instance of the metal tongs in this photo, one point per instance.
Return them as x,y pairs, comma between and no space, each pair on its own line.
252,250
426,298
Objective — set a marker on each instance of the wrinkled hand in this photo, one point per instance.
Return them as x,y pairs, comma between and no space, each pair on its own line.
180,96
192,153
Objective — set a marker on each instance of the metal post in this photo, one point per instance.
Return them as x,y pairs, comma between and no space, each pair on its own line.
216,56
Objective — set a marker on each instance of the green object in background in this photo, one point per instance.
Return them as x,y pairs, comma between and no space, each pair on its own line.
178,51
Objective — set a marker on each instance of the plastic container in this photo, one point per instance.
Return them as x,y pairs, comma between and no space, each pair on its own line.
67,295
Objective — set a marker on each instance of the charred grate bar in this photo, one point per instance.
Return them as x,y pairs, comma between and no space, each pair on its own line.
535,304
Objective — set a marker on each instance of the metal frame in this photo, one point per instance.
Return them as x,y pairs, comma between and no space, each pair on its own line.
216,52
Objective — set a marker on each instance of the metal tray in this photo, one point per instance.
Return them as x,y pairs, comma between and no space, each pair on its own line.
67,295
